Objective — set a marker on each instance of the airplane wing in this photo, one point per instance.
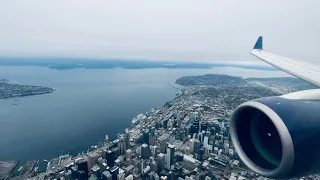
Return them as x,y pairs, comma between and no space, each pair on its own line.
296,68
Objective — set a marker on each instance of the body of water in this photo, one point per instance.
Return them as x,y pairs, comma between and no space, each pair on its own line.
87,105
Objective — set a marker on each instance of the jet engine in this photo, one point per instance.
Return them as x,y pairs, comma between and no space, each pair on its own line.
279,137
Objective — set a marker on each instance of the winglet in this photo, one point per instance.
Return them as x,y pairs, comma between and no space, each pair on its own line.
258,44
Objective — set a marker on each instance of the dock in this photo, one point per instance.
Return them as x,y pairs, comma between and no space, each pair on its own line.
28,167
6,168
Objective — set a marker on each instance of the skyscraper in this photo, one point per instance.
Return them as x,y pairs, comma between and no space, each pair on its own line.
127,138
128,154
110,158
83,168
114,172
163,142
170,156
146,137
161,162
144,151
122,144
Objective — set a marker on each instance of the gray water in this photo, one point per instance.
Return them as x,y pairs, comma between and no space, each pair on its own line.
87,105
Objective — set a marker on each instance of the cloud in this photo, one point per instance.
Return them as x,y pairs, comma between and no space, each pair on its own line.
177,30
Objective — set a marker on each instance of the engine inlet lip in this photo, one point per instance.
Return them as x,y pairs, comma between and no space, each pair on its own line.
287,158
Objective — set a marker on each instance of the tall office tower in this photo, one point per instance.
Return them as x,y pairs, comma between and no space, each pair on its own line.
170,156
192,145
122,145
152,139
74,172
146,137
110,158
196,146
153,166
144,151
226,148
83,167
96,171
127,138
187,151
154,151
205,141
200,154
163,140
116,151
92,158
128,154
200,137
161,162
114,172
140,166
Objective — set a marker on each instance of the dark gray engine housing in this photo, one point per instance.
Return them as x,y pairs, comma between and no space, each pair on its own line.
278,137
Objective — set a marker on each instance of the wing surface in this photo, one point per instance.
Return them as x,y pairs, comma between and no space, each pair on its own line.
299,69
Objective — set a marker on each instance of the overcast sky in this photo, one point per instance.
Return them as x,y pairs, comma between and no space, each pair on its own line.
175,30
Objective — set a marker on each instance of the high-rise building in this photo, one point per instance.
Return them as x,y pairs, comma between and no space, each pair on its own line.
161,162
163,140
140,166
92,158
144,151
114,172
192,145
196,146
153,166
83,169
96,171
127,138
187,150
110,158
206,141
170,156
122,144
154,151
128,154
146,137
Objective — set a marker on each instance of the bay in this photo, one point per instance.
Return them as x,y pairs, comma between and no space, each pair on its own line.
87,105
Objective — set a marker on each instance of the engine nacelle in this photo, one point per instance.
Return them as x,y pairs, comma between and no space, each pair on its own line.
279,137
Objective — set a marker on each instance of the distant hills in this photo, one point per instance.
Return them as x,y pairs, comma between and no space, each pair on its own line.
283,84
73,63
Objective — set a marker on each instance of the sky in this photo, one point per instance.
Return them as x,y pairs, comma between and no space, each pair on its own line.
170,30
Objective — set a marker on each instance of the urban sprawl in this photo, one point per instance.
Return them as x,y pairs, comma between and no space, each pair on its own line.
188,138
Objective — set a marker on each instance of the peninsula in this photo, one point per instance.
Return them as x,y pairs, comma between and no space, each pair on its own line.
8,90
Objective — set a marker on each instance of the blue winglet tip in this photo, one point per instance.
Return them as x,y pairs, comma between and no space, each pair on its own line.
258,44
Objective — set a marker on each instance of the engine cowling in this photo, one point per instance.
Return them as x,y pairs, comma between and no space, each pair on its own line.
278,137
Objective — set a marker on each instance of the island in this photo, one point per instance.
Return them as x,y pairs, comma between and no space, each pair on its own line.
8,90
